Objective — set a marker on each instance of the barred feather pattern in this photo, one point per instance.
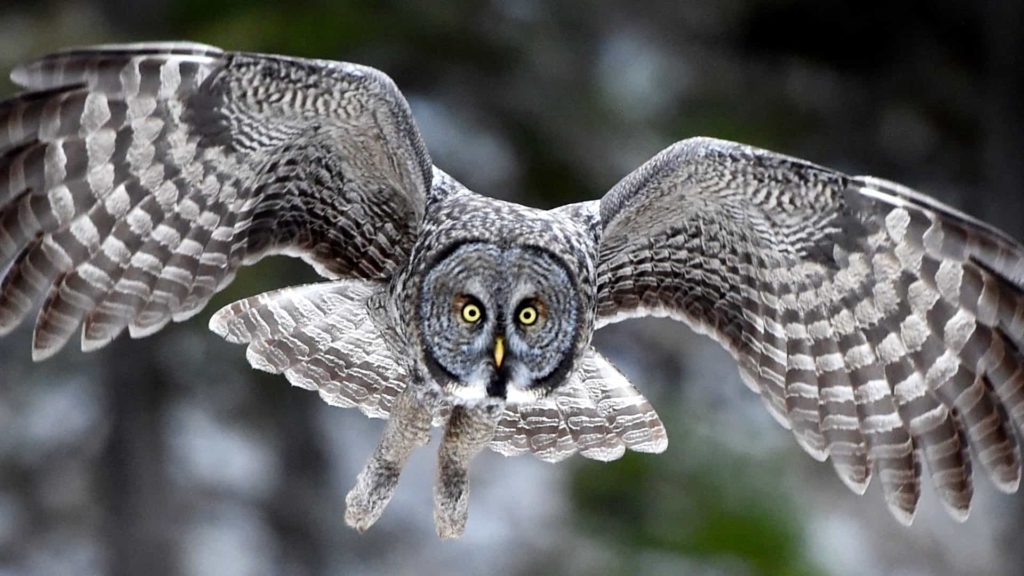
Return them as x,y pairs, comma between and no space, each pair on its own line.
880,326
598,414
136,179
329,338
322,337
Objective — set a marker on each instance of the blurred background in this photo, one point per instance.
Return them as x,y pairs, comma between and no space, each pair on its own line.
170,456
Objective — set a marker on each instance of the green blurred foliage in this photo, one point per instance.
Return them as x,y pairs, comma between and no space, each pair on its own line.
723,509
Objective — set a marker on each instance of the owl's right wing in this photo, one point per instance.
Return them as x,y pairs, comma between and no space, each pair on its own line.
136,179
884,328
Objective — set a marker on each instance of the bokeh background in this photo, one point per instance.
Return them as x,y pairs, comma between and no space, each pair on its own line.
169,456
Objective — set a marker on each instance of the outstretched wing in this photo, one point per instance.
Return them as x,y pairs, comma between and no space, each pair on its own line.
881,326
136,179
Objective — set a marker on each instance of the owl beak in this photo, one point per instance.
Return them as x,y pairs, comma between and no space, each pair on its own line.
499,351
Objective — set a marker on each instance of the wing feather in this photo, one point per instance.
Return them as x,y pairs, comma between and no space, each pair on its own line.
322,338
882,327
598,413
136,179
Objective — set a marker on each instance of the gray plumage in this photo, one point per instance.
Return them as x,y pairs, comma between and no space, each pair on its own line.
882,327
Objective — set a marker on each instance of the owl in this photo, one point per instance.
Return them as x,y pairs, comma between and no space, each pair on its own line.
881,327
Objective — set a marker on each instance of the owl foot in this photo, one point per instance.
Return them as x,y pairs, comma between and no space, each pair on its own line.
467,433
407,429
373,490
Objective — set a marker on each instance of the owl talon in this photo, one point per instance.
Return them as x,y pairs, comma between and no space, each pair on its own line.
468,432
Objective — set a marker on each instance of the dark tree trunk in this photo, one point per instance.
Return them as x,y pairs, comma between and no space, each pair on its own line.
300,509
134,474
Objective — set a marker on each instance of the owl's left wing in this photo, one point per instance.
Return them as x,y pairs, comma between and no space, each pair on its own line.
882,327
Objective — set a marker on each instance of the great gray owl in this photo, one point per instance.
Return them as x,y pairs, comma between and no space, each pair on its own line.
880,326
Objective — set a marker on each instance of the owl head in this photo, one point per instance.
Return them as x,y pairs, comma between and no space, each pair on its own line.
499,322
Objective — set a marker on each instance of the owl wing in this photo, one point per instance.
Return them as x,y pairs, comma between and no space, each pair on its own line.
323,338
882,327
136,179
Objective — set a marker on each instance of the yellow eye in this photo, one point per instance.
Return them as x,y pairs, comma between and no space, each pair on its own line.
527,315
471,313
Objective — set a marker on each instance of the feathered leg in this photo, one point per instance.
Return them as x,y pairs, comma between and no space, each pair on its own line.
469,430
407,429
